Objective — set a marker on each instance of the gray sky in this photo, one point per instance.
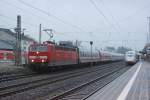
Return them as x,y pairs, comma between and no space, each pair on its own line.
106,22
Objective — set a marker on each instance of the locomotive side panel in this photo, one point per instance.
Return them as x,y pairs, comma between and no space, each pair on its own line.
65,56
50,55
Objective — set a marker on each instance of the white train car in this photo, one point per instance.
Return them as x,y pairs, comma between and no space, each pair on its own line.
110,56
131,57
117,56
98,56
86,56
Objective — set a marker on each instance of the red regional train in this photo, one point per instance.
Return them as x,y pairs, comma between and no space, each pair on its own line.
6,56
51,55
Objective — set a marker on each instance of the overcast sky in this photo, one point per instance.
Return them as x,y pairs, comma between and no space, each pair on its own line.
106,22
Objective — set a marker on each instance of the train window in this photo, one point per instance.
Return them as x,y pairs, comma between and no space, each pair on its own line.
38,48
5,54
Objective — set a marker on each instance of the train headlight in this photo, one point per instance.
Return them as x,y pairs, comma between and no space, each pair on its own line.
43,60
32,60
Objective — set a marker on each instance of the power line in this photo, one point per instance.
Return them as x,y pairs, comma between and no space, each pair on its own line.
50,15
13,19
10,4
6,24
101,13
30,13
69,12
148,34
134,14
110,13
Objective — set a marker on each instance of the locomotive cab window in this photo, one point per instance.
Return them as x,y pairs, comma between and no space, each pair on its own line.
38,48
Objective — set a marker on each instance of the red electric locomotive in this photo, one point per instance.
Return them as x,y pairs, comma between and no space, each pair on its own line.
51,55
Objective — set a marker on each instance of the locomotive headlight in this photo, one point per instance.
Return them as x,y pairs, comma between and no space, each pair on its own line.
37,52
32,60
42,60
43,57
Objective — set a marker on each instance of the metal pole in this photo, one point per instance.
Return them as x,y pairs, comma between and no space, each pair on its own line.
40,31
91,43
149,30
91,51
18,42
51,34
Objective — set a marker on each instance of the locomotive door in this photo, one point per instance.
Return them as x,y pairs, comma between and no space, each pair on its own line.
53,54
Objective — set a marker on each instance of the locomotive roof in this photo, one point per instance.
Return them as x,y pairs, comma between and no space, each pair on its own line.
65,46
56,45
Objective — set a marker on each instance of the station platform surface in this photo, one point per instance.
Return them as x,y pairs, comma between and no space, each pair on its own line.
132,85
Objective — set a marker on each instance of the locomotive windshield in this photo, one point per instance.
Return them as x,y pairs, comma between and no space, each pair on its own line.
130,54
38,48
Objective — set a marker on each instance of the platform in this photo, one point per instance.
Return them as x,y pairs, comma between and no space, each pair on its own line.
132,85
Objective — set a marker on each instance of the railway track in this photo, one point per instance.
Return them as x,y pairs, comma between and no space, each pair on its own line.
73,90
15,76
84,92
17,88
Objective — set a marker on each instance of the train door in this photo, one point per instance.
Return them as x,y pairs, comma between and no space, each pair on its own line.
52,55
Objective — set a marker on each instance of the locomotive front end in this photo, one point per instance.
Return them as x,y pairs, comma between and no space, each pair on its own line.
38,56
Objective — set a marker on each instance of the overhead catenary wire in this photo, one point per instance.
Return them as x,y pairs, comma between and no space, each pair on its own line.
26,11
61,32
50,15
110,13
6,24
102,14
33,13
134,14
13,19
